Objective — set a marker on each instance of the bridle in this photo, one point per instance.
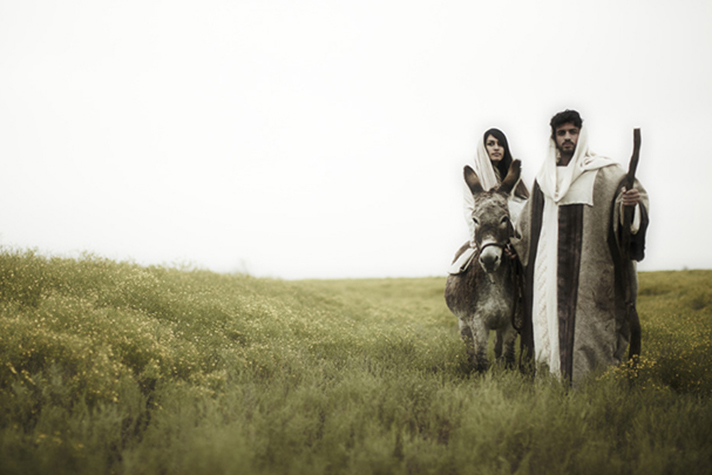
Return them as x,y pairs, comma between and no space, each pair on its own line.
492,243
495,244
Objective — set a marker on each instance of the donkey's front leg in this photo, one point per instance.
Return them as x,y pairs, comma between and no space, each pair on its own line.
506,336
468,339
480,334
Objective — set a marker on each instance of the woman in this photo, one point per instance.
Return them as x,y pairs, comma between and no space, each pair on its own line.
491,166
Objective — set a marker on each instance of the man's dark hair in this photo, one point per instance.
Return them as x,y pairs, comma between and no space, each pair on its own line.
566,117
502,165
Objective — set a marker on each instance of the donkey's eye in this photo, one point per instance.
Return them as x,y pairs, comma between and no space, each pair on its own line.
477,221
504,220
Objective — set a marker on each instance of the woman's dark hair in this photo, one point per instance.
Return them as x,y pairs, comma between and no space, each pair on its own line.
565,117
502,165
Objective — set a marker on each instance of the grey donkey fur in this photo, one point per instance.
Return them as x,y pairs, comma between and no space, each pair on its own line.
483,297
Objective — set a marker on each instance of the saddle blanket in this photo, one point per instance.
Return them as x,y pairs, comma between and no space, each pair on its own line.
462,262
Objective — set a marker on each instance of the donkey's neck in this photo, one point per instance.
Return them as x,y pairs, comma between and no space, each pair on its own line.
500,275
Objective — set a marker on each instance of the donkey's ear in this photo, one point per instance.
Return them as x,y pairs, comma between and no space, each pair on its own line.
515,171
473,183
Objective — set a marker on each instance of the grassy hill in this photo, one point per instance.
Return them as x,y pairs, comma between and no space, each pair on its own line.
110,367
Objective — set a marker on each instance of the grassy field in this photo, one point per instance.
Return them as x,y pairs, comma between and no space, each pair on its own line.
110,367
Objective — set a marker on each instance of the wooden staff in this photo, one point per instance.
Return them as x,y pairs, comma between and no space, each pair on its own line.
628,211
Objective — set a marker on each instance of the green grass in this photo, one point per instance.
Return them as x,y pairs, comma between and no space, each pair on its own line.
110,367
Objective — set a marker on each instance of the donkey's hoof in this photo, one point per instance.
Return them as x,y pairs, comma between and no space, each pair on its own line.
481,365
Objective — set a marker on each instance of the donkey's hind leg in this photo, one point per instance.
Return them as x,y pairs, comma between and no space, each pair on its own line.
498,345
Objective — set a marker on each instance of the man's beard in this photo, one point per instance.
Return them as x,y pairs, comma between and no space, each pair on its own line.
563,150
565,156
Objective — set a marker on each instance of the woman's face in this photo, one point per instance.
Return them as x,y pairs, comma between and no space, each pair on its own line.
494,149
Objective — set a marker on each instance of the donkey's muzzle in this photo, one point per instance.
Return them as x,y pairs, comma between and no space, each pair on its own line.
490,257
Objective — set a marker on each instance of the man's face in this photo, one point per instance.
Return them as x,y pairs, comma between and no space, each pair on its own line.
566,137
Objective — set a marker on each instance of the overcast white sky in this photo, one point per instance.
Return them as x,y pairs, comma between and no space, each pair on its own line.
301,139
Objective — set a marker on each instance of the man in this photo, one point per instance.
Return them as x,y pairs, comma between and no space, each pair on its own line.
576,314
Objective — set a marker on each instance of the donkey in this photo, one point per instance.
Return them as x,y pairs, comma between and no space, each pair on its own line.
484,296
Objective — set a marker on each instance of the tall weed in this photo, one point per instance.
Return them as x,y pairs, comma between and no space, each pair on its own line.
111,367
